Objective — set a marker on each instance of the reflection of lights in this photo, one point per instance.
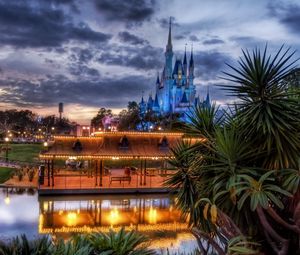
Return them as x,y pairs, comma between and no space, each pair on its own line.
7,200
135,209
45,206
71,219
152,215
114,216
60,212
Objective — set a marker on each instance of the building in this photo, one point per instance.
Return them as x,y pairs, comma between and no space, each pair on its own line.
175,91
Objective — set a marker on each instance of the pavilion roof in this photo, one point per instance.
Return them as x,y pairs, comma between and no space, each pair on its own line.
114,145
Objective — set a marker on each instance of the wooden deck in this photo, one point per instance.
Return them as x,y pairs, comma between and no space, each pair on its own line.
83,184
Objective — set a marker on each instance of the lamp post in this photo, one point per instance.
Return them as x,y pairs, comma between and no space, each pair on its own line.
6,139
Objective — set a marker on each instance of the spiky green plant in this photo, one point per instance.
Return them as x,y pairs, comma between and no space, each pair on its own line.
120,243
268,116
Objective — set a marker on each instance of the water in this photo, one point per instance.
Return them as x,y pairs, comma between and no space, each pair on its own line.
22,211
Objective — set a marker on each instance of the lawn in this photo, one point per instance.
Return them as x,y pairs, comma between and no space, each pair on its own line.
23,152
5,173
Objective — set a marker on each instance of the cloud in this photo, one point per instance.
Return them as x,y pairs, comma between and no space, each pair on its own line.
164,22
209,64
287,13
248,42
142,58
109,92
194,38
23,24
213,41
133,12
129,38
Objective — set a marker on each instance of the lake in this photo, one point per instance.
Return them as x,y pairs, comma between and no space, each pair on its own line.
23,211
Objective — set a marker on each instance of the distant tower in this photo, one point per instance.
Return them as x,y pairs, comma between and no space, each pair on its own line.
60,110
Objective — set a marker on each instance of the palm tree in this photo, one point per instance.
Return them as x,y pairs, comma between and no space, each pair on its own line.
268,116
241,170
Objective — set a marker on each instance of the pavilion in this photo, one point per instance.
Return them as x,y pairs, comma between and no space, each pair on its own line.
108,162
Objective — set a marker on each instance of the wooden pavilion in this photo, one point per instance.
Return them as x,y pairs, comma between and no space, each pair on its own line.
91,156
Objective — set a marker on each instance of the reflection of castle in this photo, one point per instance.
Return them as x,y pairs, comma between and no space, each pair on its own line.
175,89
149,215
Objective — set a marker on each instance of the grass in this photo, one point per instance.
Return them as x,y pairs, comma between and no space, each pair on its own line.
23,152
5,173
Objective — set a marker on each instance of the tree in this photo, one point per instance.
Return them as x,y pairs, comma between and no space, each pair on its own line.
130,118
97,120
244,174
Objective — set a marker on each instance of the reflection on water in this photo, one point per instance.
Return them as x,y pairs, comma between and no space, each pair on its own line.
153,215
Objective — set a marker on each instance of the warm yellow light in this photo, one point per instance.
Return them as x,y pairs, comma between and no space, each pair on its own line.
6,139
40,129
71,219
10,135
7,200
53,128
152,216
45,144
114,216
45,206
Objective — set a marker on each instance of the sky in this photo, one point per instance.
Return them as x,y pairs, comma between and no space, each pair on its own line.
104,53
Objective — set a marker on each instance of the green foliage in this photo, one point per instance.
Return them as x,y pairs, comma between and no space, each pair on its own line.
239,245
269,118
113,243
5,173
22,246
120,243
247,167
97,120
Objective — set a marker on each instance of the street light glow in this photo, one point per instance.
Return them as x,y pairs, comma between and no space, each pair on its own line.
6,139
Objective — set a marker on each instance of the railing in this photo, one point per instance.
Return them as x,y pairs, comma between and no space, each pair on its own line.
65,179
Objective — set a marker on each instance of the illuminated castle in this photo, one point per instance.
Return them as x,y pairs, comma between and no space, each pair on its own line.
175,89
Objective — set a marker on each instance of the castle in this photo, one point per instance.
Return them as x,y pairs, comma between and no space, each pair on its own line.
175,89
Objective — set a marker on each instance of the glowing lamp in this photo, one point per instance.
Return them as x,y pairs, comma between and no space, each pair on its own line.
7,200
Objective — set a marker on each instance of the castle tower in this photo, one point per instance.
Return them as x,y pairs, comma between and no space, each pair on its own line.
169,54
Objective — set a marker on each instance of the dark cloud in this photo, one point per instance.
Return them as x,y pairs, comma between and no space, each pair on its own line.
23,24
213,41
247,42
107,92
164,22
194,38
209,64
179,37
287,13
145,57
82,55
129,38
132,12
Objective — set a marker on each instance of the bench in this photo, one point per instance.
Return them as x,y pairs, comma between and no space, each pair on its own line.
120,179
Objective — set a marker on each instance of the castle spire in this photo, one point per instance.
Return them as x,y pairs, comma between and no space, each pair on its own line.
169,45
185,62
191,66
